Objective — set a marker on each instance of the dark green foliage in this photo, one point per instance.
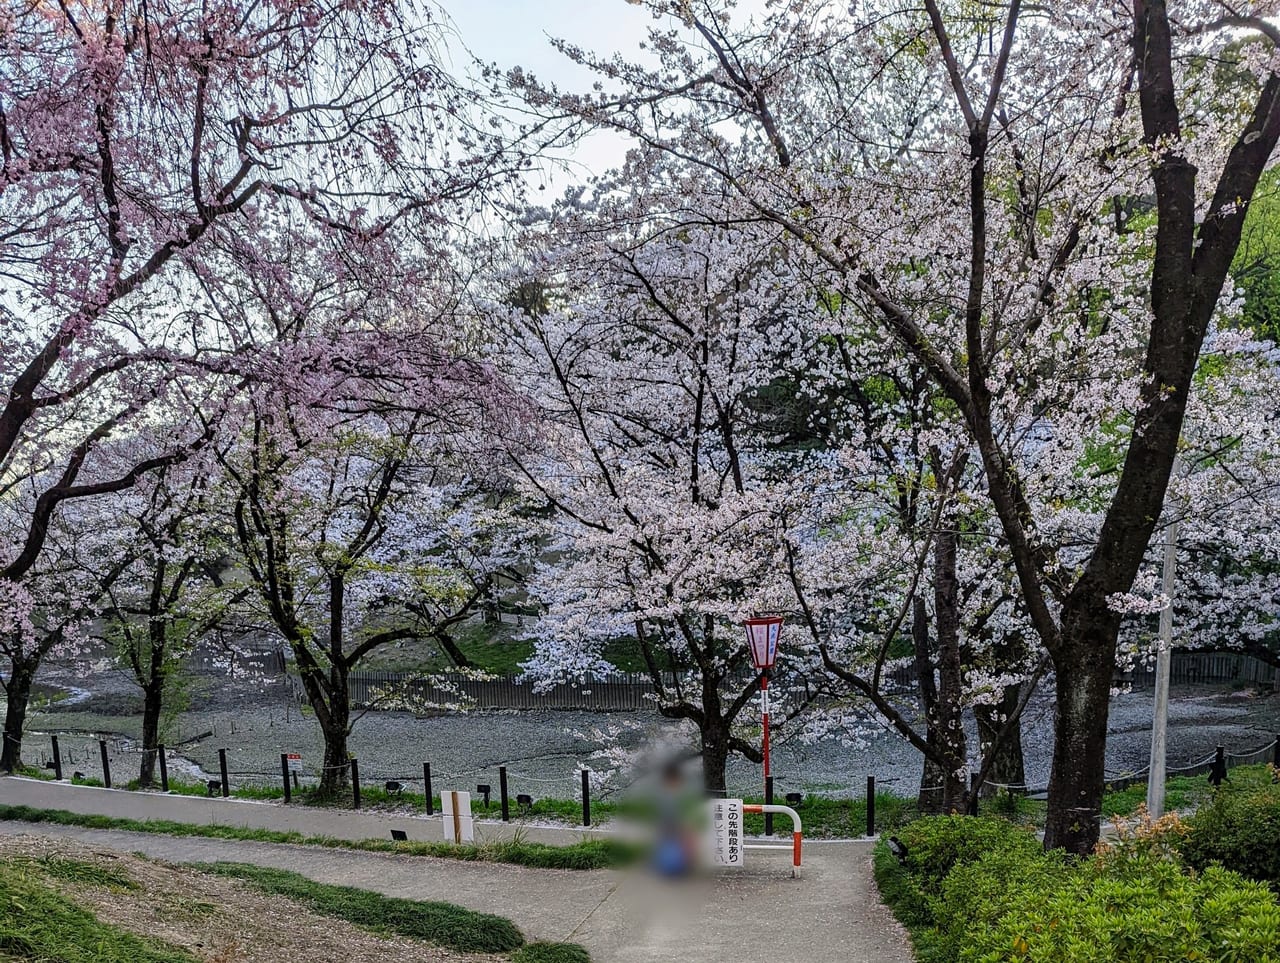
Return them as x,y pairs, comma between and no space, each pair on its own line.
443,924
1239,828
38,924
550,953
1000,900
935,846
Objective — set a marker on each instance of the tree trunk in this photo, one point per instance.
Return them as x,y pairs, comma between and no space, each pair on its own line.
336,721
337,760
18,692
929,799
947,721
1084,668
715,758
152,704
1009,768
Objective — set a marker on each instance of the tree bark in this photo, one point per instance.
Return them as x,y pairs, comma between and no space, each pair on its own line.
947,722
1085,667
715,758
336,721
18,693
336,728
929,799
1009,767
152,706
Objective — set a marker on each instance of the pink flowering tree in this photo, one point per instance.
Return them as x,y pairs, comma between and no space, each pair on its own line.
171,594
140,142
974,180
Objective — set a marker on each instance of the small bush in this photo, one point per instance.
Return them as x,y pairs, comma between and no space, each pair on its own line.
988,894
937,845
1239,828
1163,916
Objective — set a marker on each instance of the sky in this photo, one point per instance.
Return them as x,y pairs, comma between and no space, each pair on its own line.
518,32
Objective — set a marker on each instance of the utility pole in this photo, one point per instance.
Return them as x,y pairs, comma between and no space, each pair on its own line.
1159,728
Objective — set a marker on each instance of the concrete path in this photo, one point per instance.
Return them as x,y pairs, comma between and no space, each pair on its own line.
309,820
758,914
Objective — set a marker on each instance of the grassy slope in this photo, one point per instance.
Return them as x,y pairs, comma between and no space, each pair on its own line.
443,924
588,854
38,924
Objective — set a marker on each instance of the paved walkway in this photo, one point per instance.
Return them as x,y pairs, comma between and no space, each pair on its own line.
759,914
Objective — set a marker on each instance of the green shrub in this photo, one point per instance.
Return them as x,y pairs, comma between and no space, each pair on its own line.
982,893
1166,916
937,845
1239,828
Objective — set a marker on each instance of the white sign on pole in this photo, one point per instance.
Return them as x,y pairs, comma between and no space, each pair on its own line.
458,825
295,762
726,833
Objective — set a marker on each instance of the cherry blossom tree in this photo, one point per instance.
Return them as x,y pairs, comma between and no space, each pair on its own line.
141,141
171,595
968,175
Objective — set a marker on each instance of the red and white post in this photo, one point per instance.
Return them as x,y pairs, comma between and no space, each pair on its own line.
762,643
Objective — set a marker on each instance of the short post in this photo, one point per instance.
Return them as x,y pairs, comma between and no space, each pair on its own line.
294,773
426,787
106,763
355,782
586,798
1275,755
222,771
768,801
974,786
57,759
1219,773
164,768
871,805
284,776
502,793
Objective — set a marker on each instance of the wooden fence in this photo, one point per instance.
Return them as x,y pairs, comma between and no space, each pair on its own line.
1190,668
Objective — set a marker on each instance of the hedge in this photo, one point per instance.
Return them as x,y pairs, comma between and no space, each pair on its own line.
983,891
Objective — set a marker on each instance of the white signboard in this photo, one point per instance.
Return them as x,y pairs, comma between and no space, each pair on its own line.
726,833
458,825
295,762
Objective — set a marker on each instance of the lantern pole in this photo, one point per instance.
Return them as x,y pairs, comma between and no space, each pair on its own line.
764,714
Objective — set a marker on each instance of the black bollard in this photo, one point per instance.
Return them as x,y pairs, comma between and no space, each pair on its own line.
768,801
164,768
222,771
106,763
1275,756
974,786
426,787
586,798
57,760
502,793
355,782
871,805
284,775
1218,774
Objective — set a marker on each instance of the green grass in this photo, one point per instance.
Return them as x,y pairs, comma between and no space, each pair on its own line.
550,953
1180,792
442,924
85,873
586,854
37,924
827,818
